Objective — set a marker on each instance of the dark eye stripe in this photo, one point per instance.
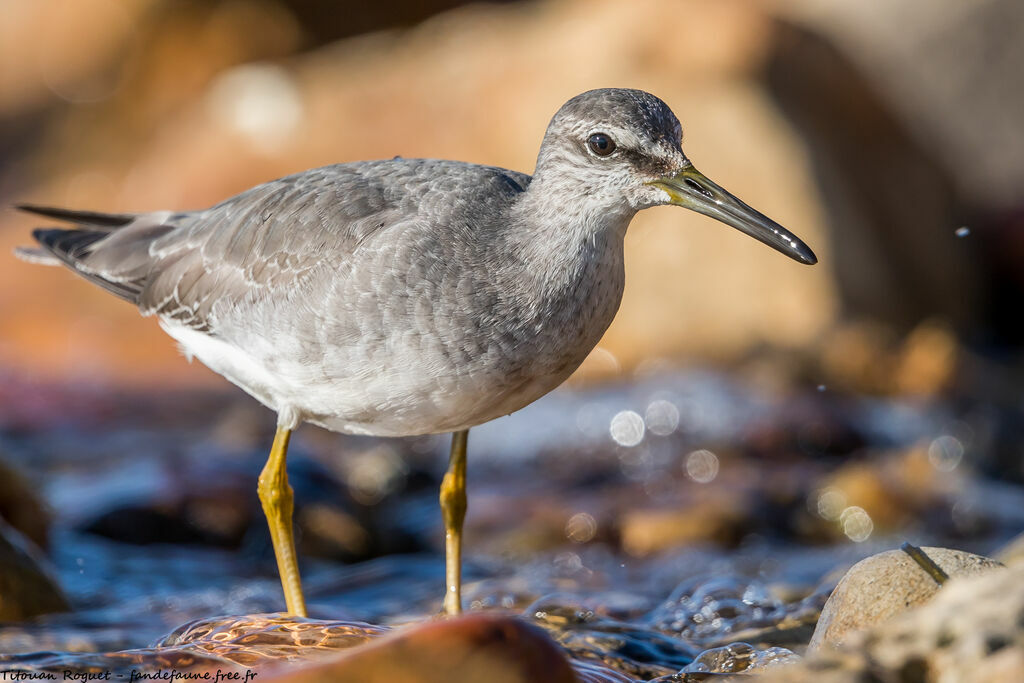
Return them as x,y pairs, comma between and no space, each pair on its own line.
601,144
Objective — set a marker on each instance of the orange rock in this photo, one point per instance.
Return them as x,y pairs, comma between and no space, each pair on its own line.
889,490
854,356
710,519
865,486
869,357
928,360
476,647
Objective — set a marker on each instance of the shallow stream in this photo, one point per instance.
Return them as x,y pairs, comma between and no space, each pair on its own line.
688,522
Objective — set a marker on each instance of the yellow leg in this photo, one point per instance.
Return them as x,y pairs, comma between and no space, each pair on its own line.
453,509
276,497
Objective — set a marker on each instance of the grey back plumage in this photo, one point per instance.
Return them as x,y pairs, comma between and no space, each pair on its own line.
268,239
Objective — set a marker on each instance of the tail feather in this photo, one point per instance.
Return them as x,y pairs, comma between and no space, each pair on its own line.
108,249
71,246
92,219
39,257
67,245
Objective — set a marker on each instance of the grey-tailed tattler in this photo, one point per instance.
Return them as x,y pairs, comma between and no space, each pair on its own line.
406,296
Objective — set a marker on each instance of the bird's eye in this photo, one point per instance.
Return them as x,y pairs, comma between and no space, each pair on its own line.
601,144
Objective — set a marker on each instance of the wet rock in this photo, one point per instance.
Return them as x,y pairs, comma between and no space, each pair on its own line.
593,672
27,586
538,527
213,502
119,664
478,647
21,506
622,646
885,492
253,641
737,657
710,519
714,611
884,585
354,511
267,638
971,631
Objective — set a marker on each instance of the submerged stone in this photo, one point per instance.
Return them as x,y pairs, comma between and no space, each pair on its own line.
476,647
738,657
27,585
269,638
630,649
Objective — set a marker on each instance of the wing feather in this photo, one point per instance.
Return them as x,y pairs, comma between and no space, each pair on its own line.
265,243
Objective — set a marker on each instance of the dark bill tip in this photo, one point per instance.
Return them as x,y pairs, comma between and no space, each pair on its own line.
691,189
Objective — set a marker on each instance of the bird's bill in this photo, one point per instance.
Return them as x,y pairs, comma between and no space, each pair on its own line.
691,189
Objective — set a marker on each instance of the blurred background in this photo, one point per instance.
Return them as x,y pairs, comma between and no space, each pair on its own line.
738,398
875,132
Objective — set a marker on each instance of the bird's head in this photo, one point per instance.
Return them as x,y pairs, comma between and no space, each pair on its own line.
621,150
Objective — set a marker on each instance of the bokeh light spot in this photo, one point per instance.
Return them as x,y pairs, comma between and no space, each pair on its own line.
581,527
661,417
945,453
702,466
627,428
856,523
260,102
831,503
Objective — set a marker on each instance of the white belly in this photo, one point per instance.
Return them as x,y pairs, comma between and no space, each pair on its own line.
393,401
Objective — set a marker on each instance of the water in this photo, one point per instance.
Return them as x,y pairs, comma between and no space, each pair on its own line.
678,526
